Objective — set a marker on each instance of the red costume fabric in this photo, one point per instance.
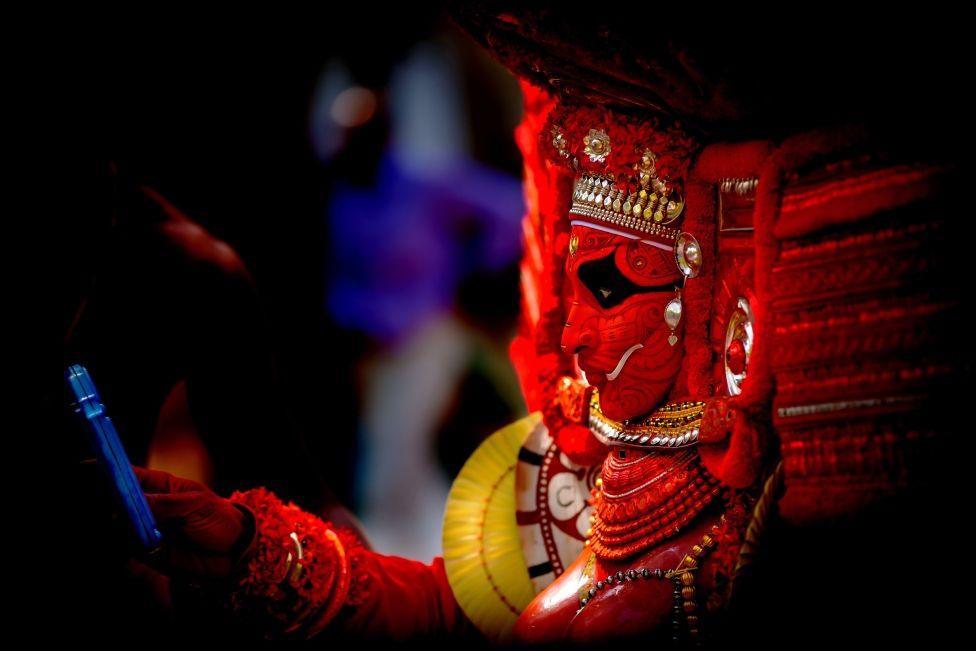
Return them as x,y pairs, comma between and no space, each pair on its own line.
333,585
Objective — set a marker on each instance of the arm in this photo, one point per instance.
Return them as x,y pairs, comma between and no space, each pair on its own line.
288,573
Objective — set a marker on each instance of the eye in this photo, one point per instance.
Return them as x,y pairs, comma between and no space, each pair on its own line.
610,287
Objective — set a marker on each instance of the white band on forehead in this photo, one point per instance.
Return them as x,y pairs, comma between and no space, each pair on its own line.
614,231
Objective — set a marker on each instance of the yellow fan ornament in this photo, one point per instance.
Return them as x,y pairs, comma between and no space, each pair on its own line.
482,550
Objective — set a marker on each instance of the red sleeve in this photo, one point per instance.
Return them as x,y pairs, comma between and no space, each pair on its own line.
405,599
303,577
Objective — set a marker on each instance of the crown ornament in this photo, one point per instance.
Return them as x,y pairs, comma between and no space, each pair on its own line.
643,209
629,174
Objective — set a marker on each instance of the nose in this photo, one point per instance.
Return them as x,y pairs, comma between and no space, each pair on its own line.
577,333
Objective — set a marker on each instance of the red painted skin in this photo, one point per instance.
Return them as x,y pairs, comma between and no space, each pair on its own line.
600,337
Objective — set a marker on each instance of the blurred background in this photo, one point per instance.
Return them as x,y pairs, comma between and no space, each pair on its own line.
300,251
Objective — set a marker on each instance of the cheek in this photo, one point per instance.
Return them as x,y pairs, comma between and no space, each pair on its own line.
650,373
650,316
641,321
644,384
645,316
658,361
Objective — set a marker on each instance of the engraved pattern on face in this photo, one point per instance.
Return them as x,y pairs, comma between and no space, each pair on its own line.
618,289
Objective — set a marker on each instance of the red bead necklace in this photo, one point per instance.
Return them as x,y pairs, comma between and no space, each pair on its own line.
644,498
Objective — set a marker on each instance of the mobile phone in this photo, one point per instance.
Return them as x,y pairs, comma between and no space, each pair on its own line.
111,457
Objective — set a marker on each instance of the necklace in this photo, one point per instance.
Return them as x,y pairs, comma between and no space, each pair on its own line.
682,576
649,494
674,425
640,503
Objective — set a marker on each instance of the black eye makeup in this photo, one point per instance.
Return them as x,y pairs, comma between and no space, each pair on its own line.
610,287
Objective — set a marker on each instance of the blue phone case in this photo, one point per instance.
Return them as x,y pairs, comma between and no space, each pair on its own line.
111,456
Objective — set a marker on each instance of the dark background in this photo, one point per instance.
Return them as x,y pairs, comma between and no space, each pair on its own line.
215,116
213,113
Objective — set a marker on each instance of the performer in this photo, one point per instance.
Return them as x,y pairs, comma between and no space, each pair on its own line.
727,347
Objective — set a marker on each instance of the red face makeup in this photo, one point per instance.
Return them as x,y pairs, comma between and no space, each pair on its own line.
615,323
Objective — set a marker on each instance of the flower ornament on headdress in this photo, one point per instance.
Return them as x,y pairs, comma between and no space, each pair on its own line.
596,145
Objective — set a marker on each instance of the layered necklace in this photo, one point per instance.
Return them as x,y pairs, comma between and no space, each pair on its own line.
675,425
653,483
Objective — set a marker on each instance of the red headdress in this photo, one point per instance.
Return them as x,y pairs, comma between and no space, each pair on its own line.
787,331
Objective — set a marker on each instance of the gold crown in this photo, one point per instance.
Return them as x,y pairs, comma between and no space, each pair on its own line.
645,211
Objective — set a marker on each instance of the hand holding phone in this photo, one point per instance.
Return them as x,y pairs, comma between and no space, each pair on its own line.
111,457
209,533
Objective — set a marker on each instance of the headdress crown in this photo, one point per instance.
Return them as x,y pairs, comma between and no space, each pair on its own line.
629,174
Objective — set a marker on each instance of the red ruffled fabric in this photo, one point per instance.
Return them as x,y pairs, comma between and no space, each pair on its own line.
280,601
343,589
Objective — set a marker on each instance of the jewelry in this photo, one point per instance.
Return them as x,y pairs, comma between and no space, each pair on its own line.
293,564
294,584
559,141
640,503
683,578
688,254
739,339
596,145
672,316
686,458
605,200
675,425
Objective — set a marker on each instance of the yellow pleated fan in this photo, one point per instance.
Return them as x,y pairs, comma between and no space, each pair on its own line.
482,551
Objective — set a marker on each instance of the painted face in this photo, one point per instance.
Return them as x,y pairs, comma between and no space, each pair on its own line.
619,288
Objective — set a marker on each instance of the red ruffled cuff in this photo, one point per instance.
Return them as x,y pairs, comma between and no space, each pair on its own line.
299,571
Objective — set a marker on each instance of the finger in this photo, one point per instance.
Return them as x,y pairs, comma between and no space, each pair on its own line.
154,481
158,481
168,506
